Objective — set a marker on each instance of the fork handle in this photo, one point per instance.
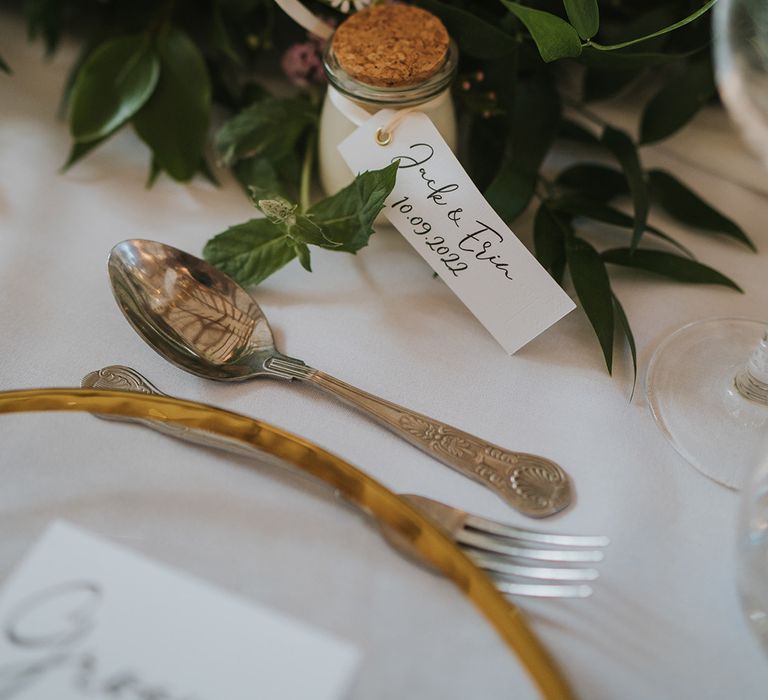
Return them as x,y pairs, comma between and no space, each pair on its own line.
533,485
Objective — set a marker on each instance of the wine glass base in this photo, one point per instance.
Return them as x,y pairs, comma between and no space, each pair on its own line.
693,397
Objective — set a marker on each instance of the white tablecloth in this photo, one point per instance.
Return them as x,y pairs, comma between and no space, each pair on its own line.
665,620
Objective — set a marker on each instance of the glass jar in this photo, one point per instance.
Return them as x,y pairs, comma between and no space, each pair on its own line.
349,102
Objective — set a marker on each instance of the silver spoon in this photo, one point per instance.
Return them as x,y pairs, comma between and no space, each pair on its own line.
202,321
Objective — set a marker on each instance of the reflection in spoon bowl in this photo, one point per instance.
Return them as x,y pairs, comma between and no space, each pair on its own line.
191,314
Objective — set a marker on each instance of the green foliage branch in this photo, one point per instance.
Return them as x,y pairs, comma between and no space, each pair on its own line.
162,68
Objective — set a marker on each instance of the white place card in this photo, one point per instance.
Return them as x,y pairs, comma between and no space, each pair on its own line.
440,211
82,618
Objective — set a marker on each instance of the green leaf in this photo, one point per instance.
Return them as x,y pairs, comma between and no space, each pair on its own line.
626,60
598,182
600,84
220,38
205,170
577,205
554,37
112,85
484,158
346,218
287,217
687,207
302,252
276,175
84,51
576,132
475,36
174,121
584,15
627,330
668,265
4,66
590,279
44,17
252,91
528,141
259,173
154,173
79,150
678,101
250,252
269,128
677,25
644,20
625,152
343,221
549,233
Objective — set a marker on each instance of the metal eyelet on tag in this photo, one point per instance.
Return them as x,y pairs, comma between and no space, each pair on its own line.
383,138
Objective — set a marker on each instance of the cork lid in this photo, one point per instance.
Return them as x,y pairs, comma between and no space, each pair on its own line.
391,45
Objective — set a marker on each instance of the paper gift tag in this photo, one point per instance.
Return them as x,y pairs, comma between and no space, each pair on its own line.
82,618
438,208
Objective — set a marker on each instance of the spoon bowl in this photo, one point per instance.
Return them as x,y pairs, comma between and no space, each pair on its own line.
189,312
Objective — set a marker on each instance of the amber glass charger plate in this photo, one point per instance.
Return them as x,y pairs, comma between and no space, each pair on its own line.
258,531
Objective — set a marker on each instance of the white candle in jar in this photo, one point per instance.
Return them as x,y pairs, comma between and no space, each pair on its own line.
388,56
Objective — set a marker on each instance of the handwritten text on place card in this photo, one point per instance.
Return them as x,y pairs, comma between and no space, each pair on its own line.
81,618
440,211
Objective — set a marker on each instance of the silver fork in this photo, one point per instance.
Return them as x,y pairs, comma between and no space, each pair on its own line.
508,553
550,565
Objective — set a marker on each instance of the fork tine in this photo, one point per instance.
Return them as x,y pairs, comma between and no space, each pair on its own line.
501,550
455,520
494,527
541,590
502,565
493,544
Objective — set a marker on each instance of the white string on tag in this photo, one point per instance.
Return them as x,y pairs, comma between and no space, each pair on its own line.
357,115
304,18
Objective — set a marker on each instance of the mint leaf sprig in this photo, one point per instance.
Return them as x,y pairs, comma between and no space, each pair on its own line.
252,251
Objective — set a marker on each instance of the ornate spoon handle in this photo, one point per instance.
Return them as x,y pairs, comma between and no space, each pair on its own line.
533,485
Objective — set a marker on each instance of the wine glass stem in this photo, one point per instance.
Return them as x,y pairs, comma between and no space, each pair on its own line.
752,381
